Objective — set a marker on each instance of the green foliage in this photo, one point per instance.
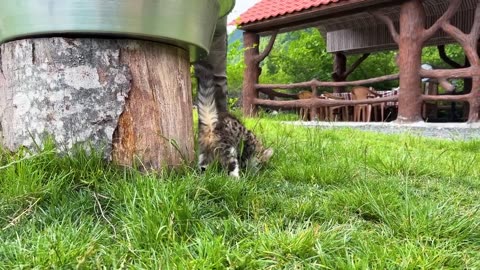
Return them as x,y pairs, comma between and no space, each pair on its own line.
235,68
300,56
232,103
329,199
376,65
297,57
454,51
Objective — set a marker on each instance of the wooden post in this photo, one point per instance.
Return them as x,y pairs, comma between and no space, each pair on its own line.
130,99
410,40
412,24
253,57
470,45
339,69
341,73
252,72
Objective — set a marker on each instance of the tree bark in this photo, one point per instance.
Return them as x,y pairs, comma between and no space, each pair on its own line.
411,38
155,128
129,99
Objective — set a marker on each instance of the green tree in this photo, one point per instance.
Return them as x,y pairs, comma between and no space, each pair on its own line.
235,68
376,65
301,56
431,56
297,57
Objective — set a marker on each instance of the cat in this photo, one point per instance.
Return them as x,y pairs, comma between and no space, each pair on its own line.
221,135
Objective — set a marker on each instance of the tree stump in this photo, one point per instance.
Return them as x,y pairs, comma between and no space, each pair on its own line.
130,99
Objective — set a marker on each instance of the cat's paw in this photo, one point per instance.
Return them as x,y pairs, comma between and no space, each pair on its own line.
235,173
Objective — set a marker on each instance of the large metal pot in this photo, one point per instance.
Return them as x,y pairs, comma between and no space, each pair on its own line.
186,23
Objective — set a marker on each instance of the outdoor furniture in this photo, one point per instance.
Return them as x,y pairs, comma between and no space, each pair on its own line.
430,109
305,113
363,111
390,105
335,112
347,27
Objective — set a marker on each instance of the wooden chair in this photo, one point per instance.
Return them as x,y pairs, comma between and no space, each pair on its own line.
305,113
390,106
333,111
363,111
430,109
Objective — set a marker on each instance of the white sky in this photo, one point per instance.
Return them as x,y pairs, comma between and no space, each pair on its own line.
240,7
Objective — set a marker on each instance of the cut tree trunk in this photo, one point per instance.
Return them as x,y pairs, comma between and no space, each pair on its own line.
129,99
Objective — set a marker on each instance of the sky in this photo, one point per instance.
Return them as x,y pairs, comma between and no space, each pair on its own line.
240,7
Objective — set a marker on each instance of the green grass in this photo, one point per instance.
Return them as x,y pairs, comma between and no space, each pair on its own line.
333,199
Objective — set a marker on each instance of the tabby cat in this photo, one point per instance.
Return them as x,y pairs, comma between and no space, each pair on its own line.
221,135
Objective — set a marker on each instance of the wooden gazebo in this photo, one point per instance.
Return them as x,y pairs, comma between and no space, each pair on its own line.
364,26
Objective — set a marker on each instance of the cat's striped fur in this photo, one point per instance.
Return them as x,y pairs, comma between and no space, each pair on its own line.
221,135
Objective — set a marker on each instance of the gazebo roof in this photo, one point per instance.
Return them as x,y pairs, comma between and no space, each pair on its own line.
347,25
267,9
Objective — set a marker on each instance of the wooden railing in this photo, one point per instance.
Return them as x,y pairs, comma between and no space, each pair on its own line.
315,102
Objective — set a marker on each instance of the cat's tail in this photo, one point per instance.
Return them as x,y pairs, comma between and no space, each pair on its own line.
207,109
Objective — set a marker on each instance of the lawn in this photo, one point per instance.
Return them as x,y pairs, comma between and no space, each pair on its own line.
333,199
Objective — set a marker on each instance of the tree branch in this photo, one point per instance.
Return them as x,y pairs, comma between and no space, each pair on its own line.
385,19
446,59
456,33
446,97
450,73
465,40
267,50
452,9
269,91
328,84
355,65
473,39
476,26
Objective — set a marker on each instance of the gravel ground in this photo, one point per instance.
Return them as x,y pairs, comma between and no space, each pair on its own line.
452,131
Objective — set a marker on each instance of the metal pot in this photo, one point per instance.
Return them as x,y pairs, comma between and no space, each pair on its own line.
186,23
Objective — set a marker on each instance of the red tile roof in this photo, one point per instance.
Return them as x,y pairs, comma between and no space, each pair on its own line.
266,9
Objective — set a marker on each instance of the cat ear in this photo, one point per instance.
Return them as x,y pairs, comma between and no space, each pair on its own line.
267,154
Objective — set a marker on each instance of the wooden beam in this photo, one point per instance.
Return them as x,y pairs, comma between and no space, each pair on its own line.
317,102
451,73
356,64
271,92
267,50
251,73
328,84
390,25
451,11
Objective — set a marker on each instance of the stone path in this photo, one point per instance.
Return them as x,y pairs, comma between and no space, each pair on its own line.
453,131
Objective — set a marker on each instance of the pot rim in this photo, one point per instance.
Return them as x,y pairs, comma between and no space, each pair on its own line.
184,23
